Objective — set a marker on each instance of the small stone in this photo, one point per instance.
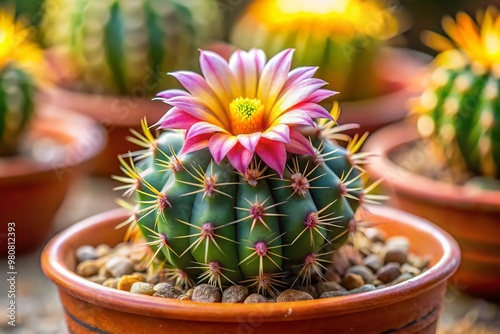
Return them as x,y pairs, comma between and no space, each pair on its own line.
206,293
401,278
255,298
310,289
372,262
377,282
103,271
235,294
190,292
330,294
374,234
408,268
419,262
103,250
126,281
328,286
99,279
87,268
377,248
119,266
364,288
345,257
398,242
362,271
86,252
332,276
395,255
182,297
389,272
142,288
352,281
291,295
166,290
111,282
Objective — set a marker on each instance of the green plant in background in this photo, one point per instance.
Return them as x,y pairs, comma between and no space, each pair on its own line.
19,61
460,108
117,45
254,192
342,37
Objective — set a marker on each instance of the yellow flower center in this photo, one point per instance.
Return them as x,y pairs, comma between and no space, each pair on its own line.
246,115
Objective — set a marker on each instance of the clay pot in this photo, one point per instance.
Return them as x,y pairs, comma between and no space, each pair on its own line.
471,217
400,72
32,191
117,114
409,307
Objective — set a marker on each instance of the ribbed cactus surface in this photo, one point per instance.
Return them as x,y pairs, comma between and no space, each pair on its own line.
126,46
213,224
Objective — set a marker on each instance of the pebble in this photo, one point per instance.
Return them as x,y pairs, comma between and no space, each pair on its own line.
364,288
142,288
99,279
125,282
235,294
166,290
372,262
375,234
418,262
352,281
401,278
119,266
103,250
311,289
330,294
86,252
206,293
255,298
111,282
362,271
398,242
395,255
408,268
328,286
87,268
389,272
291,295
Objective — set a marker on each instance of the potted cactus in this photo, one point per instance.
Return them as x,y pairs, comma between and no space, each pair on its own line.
445,165
112,57
40,153
253,192
348,40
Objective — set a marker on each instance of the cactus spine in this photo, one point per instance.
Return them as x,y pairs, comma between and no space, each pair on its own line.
461,107
122,46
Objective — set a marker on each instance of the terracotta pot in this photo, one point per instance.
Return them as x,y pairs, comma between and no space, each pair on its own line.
410,307
400,73
117,114
32,191
471,217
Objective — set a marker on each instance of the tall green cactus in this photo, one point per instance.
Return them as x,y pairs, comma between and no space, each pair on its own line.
461,108
265,218
123,46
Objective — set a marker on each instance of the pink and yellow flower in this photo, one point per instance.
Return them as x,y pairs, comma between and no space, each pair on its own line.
246,107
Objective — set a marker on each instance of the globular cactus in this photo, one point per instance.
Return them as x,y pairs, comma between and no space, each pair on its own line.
254,192
18,73
342,37
122,46
460,109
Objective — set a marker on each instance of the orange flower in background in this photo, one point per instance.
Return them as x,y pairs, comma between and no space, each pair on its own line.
245,107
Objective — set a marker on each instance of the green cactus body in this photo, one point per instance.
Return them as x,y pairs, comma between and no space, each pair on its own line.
17,93
221,227
125,46
462,111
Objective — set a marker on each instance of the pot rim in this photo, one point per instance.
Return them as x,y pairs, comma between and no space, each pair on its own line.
407,183
54,268
84,141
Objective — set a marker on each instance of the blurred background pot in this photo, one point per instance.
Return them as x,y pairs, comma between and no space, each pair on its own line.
409,307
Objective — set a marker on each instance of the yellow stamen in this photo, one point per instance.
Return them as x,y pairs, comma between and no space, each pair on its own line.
246,115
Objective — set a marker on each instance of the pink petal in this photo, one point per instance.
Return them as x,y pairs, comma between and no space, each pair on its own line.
249,141
274,76
280,133
245,70
295,117
195,108
170,93
299,74
218,75
240,158
299,144
273,154
220,144
176,118
313,110
259,58
320,95
296,94
200,128
195,143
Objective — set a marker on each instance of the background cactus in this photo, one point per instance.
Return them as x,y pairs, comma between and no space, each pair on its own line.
19,60
341,37
124,46
460,109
